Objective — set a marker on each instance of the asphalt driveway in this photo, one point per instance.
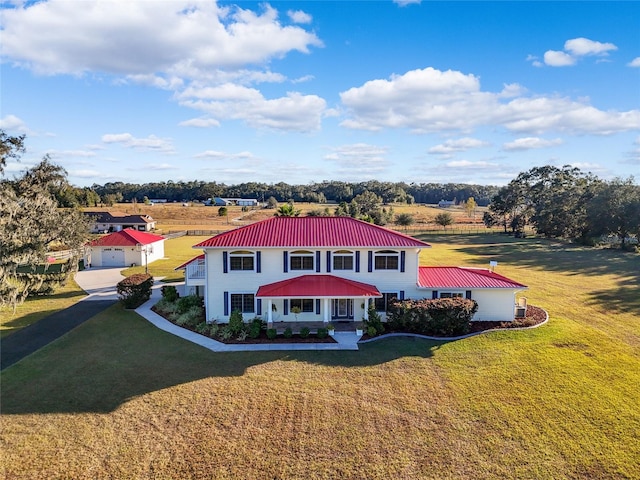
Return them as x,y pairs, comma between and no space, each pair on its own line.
100,285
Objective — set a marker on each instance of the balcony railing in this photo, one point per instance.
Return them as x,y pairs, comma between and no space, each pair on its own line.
195,272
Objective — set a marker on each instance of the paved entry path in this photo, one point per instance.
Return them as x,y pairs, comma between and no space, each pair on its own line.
24,342
100,285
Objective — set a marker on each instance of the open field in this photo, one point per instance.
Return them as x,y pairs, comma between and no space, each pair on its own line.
126,400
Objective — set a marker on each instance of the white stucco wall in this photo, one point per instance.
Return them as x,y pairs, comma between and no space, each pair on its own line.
131,256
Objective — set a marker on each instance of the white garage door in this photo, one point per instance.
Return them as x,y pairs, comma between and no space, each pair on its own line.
113,257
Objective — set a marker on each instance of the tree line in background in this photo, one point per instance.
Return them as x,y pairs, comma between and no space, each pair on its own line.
322,192
567,203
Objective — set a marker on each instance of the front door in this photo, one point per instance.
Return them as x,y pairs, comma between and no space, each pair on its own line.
343,308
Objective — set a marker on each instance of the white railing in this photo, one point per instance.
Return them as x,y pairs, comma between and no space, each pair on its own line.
195,271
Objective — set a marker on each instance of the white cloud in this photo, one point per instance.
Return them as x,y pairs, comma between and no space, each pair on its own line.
216,155
634,63
404,3
583,46
71,153
152,143
360,158
294,112
430,100
200,123
13,123
298,16
86,173
460,145
159,166
554,58
466,164
133,38
304,78
529,143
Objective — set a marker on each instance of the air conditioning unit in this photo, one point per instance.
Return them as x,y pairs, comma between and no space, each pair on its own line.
521,312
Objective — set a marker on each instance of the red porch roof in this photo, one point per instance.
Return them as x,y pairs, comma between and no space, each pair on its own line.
312,232
463,277
184,265
315,286
126,238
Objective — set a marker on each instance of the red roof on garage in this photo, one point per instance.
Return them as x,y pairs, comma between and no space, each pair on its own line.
126,238
312,232
314,286
463,277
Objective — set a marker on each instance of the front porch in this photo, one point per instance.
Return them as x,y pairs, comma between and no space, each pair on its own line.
295,327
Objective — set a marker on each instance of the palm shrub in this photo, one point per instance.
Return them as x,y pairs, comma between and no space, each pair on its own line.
191,318
134,290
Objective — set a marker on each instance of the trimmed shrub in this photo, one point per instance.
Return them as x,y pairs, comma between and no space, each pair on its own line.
304,332
135,289
371,331
187,303
288,333
440,317
272,333
322,333
236,323
169,293
374,321
255,327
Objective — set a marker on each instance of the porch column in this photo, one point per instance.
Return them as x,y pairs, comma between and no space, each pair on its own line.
327,310
366,308
270,312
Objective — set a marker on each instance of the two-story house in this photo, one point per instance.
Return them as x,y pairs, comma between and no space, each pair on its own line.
330,269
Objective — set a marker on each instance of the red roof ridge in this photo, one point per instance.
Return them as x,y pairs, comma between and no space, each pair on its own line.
127,237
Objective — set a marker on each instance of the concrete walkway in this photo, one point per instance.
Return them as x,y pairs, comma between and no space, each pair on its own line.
345,340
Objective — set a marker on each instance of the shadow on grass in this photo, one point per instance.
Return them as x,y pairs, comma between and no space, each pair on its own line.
548,255
117,356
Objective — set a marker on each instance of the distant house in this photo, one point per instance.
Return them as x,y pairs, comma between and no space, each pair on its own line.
105,222
225,202
125,248
446,203
330,269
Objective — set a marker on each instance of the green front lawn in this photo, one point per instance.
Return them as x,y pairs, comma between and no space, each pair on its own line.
118,398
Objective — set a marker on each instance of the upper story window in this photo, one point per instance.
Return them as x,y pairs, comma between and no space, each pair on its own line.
242,260
301,260
343,260
387,260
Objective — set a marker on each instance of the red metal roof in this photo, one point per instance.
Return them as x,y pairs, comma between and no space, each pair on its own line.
315,286
311,232
184,265
126,238
463,277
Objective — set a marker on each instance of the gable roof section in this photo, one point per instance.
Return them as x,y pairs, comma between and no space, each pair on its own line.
312,232
106,217
463,277
126,238
189,262
317,286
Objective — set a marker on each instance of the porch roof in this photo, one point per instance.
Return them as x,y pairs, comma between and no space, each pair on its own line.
189,262
317,286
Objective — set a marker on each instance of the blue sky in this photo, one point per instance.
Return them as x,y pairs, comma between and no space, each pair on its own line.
468,92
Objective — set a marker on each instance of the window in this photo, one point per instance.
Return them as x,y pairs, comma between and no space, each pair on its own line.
243,302
304,304
343,260
386,260
382,304
241,260
451,295
301,260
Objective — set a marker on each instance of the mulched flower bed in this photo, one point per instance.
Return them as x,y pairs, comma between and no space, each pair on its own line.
534,316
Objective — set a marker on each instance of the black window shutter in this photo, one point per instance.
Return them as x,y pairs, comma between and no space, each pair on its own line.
318,262
328,262
467,294
285,256
258,259
226,303
402,257
370,261
286,306
357,262
434,294
259,307
401,294
225,262
317,306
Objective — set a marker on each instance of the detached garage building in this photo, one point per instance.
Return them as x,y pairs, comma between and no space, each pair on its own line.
125,248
